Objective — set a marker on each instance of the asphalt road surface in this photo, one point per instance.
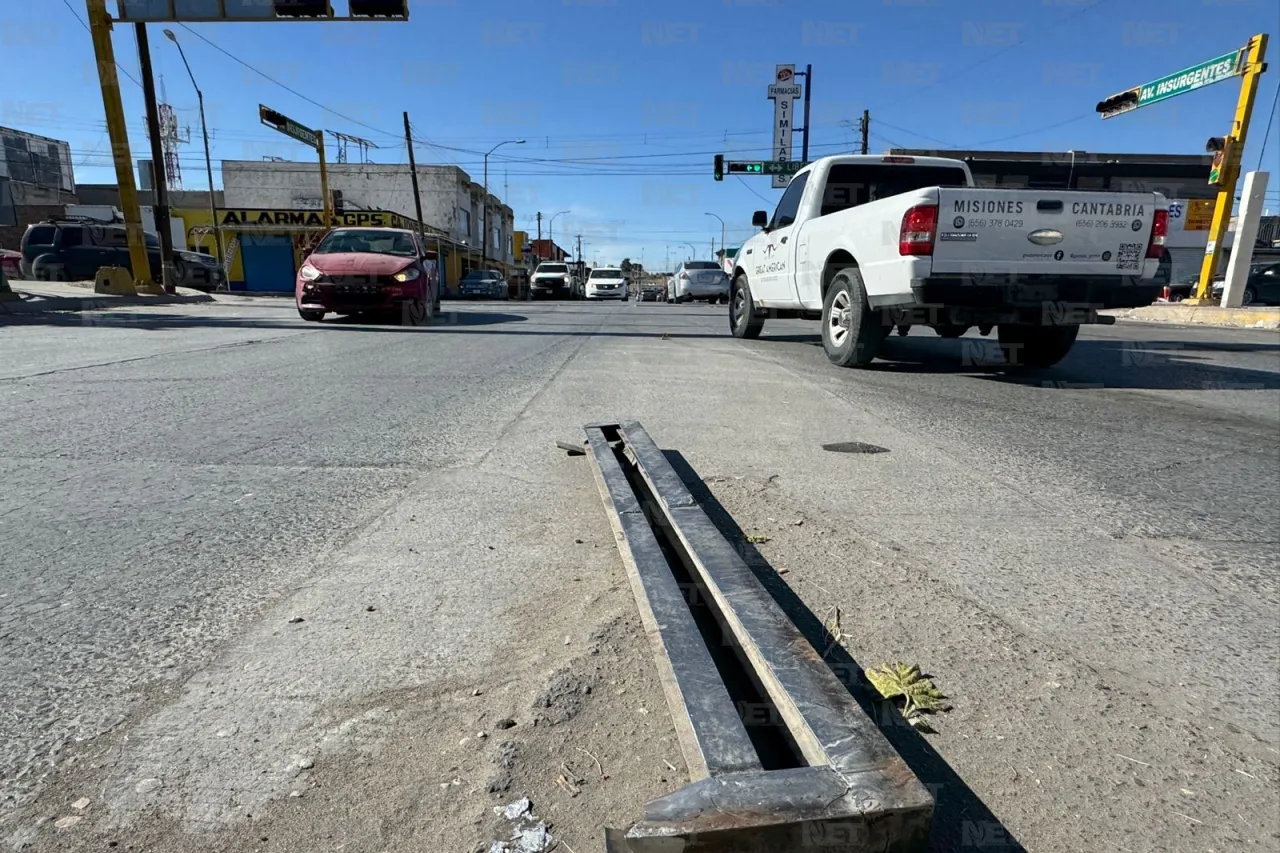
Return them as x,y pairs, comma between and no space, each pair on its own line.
181,483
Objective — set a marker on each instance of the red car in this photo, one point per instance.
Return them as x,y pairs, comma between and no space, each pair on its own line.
12,263
369,271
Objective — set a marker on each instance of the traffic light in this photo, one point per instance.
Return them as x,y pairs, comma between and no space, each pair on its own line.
302,8
719,167
380,8
1119,103
747,168
1223,149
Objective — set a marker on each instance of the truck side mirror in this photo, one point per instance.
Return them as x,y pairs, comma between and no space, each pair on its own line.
759,219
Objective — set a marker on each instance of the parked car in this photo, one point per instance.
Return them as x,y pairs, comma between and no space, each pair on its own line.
75,248
1262,287
650,292
483,284
607,283
700,280
369,271
11,263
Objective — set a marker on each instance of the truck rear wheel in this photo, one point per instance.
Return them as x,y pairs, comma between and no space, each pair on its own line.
1032,347
851,331
744,320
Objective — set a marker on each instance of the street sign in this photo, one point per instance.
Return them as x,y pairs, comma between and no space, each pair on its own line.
1179,83
783,168
744,167
288,127
784,92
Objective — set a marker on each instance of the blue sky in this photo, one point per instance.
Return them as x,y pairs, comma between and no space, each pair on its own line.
623,103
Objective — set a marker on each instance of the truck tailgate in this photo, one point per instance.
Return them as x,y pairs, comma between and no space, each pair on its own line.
1042,232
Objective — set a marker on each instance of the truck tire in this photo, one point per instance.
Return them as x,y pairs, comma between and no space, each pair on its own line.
744,321
851,332
951,331
1035,347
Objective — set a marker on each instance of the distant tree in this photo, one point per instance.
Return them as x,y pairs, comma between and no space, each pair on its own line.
626,265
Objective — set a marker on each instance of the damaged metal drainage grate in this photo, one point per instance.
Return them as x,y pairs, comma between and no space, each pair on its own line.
854,447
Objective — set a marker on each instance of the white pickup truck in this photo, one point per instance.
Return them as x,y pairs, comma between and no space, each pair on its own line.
870,243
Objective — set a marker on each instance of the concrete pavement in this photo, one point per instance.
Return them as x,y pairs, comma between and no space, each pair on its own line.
184,482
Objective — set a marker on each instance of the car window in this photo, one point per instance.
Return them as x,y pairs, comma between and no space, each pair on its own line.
702,265
72,237
789,206
41,235
113,238
152,241
852,184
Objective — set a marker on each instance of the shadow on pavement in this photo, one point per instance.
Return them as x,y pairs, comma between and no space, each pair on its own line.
957,806
1092,364
122,318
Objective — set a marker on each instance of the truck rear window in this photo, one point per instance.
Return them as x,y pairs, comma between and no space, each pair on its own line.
852,184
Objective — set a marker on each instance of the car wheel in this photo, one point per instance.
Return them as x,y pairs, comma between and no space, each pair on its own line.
416,313
744,320
851,331
1035,347
1249,297
950,331
311,316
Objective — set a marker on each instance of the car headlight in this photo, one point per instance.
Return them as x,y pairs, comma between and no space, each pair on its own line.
408,274
309,273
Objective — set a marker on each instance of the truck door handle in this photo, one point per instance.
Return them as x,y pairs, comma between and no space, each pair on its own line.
1049,205
784,239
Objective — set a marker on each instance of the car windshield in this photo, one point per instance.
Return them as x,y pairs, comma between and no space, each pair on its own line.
369,240
701,265
606,273
553,268
480,275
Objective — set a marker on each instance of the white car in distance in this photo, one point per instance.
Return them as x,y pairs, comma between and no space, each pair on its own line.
701,280
607,283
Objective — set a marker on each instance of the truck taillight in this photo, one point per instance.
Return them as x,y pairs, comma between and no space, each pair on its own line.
1159,232
919,227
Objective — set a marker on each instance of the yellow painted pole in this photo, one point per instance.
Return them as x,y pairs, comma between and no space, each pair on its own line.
1256,51
324,181
118,132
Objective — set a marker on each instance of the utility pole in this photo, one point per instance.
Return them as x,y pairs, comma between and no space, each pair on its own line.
413,177
866,129
808,92
579,248
536,254
159,180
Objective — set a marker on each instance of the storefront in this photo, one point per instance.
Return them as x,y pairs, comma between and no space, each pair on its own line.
263,249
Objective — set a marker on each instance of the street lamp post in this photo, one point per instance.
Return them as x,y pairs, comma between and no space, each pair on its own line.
208,161
484,204
551,234
691,249
723,248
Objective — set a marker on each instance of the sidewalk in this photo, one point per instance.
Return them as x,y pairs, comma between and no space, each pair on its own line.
1260,317
36,297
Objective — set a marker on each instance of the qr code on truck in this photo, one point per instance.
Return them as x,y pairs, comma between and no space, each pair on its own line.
1129,256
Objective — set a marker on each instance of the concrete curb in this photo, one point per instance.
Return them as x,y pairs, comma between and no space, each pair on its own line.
37,304
1202,315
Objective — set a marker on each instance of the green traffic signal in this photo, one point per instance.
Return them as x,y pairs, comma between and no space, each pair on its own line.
719,167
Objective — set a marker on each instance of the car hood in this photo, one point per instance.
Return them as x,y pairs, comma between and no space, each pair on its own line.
551,275
359,263
607,281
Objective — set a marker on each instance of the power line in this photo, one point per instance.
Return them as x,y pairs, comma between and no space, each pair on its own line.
1267,133
89,30
1025,133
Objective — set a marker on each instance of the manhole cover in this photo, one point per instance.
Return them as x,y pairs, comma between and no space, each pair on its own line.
854,447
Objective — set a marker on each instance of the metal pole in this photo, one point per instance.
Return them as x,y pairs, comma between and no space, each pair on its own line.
484,212
722,244
413,173
324,180
1254,67
866,130
208,159
1252,199
808,91
118,132
159,176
